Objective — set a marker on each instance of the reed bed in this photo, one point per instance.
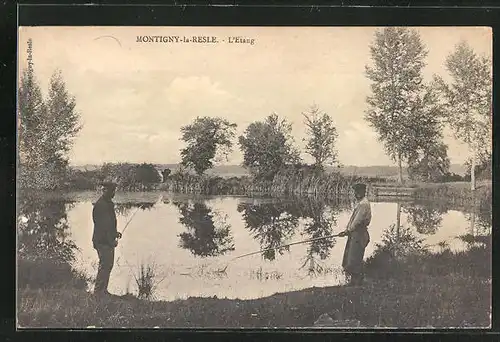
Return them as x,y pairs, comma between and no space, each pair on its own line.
457,194
285,183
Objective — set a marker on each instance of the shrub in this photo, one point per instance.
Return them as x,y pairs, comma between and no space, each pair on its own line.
42,274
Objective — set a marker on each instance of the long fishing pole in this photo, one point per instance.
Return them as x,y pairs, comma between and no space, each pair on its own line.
130,220
121,233
285,245
278,247
135,212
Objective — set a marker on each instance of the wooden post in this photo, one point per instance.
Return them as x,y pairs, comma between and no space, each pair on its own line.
400,169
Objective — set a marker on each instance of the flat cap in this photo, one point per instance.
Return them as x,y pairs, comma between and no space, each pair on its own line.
109,185
359,187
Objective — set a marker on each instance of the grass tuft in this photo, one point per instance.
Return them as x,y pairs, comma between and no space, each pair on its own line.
147,280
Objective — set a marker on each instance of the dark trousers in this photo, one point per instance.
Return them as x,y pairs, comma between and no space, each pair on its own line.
106,260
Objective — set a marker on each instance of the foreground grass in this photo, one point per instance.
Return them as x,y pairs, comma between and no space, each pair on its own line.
417,301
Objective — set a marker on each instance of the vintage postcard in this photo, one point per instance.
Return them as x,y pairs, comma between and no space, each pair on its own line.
254,177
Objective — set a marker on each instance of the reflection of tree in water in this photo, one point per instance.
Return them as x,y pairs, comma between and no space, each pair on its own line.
125,208
480,220
43,230
208,233
272,224
45,251
425,219
320,224
484,222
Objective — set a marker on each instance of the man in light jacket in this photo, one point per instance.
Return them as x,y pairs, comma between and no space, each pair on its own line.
105,237
358,237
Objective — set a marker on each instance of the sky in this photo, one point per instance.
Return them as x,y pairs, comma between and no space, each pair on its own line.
134,97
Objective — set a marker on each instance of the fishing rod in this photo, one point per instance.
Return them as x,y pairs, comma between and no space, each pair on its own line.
130,220
135,212
126,225
123,231
278,247
286,245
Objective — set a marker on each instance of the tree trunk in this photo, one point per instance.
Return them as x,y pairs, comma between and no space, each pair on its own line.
398,219
473,173
400,170
473,223
398,225
473,215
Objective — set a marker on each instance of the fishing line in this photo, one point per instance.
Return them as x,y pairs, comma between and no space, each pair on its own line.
127,224
130,219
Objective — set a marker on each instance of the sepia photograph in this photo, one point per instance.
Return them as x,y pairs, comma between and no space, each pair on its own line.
254,177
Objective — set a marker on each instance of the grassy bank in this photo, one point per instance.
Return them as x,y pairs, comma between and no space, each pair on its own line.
438,301
425,290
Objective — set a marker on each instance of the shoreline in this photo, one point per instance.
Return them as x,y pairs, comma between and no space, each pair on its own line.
372,305
455,195
440,291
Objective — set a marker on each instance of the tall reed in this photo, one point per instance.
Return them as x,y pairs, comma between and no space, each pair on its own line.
287,182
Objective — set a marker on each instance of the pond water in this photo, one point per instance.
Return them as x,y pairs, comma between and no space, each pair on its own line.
192,239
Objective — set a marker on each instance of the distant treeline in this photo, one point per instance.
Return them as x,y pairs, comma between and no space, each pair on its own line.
128,176
293,180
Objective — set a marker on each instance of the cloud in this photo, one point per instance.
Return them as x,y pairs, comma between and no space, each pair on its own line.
358,145
134,98
201,91
359,131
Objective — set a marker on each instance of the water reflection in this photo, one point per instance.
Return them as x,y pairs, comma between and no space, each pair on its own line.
45,251
208,234
320,224
272,224
196,229
401,251
43,230
480,221
425,219
125,208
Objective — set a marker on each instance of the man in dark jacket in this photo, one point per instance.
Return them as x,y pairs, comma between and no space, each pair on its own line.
105,237
358,237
